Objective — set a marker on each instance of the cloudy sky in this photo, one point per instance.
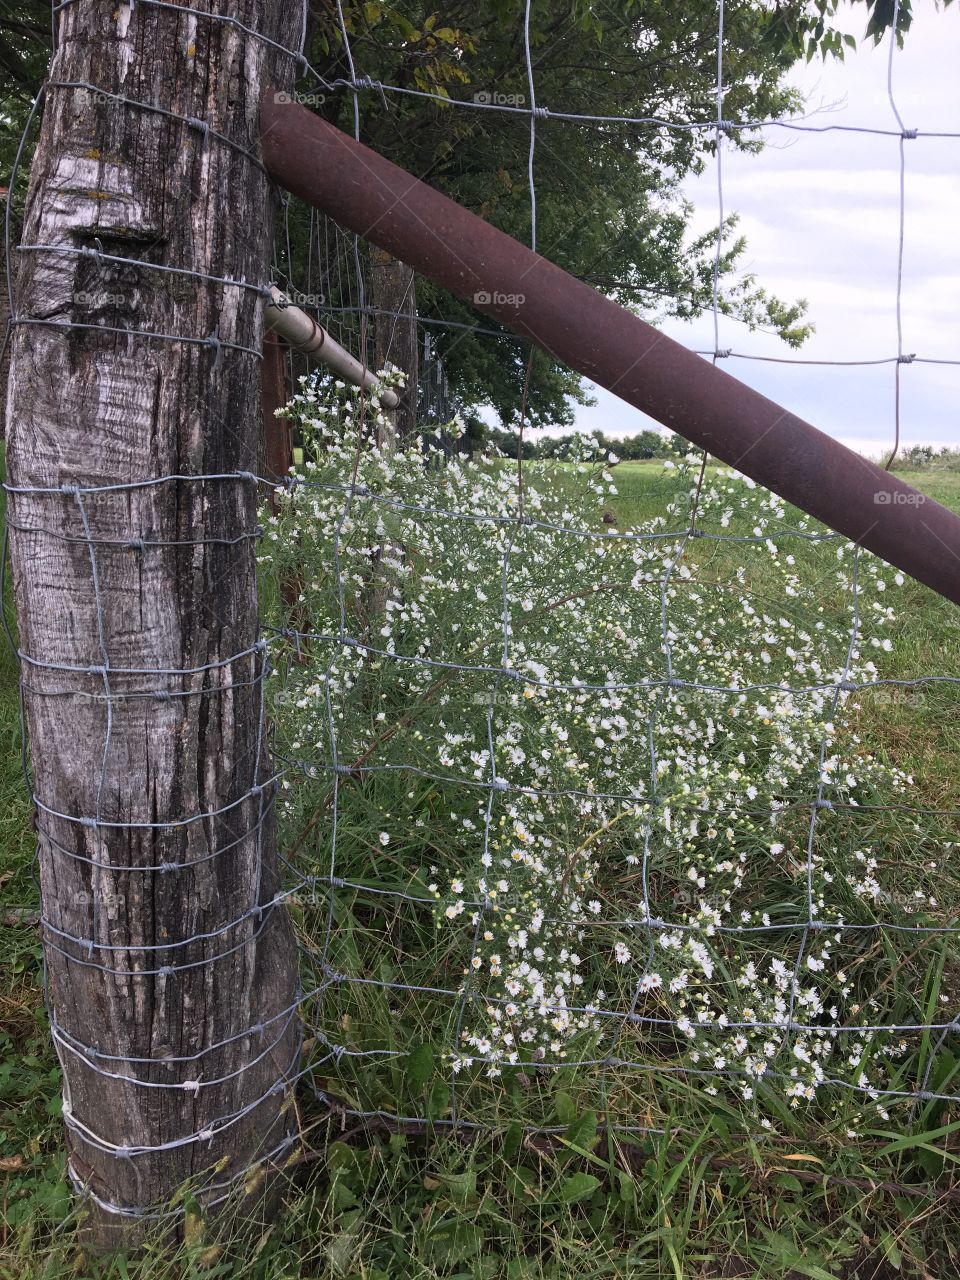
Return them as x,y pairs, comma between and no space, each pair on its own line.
821,215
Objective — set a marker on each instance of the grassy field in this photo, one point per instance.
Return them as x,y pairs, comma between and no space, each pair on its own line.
386,1206
917,729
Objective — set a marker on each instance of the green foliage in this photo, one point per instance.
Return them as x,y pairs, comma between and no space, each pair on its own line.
428,985
401,1206
609,207
703,1202
31,1160
25,27
882,17
609,202
924,457
635,448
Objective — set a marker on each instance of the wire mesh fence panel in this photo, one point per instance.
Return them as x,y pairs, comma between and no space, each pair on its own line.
575,814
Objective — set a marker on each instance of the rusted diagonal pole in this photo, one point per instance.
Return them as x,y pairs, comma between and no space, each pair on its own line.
614,348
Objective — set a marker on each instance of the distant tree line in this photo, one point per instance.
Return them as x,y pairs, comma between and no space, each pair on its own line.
636,448
925,457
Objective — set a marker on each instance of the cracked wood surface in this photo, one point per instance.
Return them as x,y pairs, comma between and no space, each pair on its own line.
89,408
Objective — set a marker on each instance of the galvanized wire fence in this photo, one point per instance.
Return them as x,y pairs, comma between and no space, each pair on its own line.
518,881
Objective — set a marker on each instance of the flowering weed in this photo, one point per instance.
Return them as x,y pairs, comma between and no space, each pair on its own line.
603,809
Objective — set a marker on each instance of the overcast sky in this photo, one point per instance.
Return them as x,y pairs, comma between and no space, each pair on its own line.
821,215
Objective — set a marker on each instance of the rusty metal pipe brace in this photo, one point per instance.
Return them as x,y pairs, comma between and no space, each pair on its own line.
612,347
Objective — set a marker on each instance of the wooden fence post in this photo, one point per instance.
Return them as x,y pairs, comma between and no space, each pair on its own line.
393,294
171,971
277,451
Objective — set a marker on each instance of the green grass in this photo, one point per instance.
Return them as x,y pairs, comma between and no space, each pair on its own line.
30,1130
707,1203
916,729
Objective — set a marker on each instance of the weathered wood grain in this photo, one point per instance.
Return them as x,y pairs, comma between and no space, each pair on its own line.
393,296
90,408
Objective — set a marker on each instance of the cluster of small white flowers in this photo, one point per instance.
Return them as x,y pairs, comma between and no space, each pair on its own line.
641,817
